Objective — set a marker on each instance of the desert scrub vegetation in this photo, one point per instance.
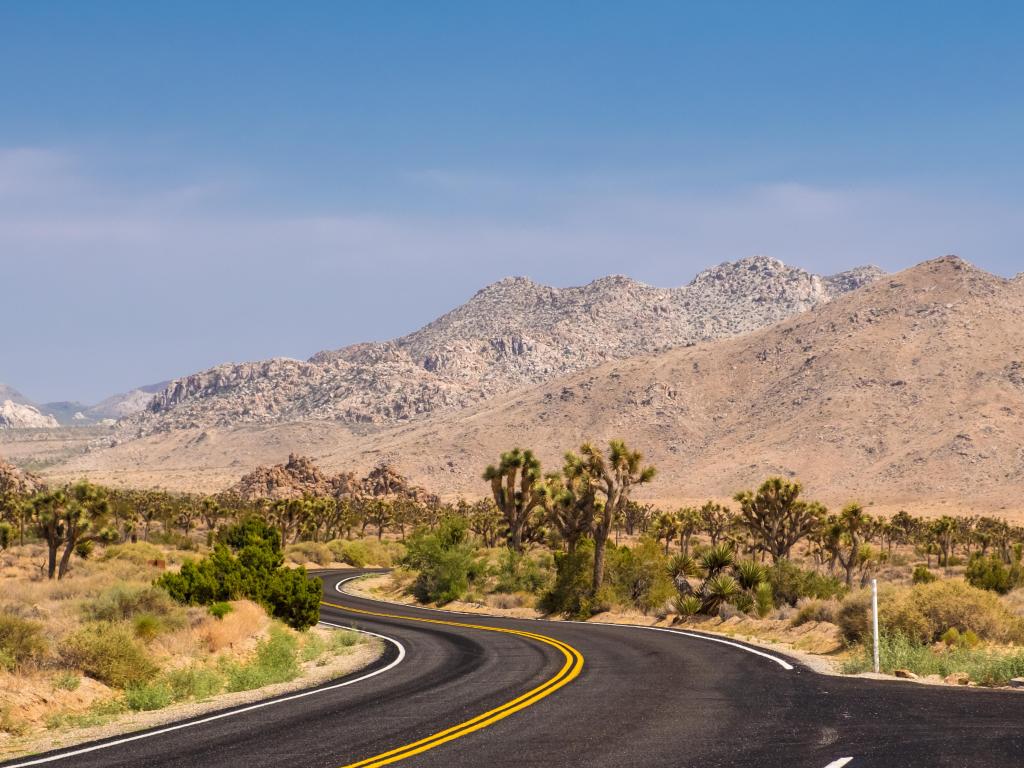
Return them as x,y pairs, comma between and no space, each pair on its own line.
106,640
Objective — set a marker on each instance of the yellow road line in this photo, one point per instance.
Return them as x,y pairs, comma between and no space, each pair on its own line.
570,670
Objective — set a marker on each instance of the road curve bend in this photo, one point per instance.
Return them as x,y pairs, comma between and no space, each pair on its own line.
486,691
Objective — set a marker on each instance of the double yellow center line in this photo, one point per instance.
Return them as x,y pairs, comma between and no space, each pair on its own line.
570,670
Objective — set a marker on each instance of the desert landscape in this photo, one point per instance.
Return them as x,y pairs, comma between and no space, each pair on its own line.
511,385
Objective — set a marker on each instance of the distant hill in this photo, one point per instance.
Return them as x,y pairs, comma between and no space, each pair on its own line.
511,334
72,413
908,391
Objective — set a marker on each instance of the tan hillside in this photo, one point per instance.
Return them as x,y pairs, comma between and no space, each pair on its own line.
907,392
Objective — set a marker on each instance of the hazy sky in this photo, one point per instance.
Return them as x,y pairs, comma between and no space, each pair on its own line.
183,184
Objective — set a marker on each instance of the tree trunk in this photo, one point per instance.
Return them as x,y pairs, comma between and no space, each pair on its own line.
599,547
65,559
51,560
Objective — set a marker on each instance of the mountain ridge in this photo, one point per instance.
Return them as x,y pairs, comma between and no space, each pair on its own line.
509,334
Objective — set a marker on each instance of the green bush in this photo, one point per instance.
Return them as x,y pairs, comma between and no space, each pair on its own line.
67,681
147,626
194,683
220,610
519,572
444,560
990,573
638,577
21,641
247,563
276,661
764,600
148,696
922,575
570,594
922,613
790,583
109,653
687,605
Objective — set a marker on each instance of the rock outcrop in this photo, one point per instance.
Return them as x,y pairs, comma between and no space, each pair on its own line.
20,416
510,334
16,482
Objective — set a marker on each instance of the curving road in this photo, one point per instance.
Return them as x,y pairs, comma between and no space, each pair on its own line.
467,690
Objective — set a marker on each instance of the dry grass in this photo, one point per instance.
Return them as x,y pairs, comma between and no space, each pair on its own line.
238,630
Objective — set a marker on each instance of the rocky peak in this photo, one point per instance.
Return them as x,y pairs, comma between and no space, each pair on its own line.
510,334
19,416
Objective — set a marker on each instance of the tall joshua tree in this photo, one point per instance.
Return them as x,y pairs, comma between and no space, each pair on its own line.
69,517
776,516
571,501
616,475
518,489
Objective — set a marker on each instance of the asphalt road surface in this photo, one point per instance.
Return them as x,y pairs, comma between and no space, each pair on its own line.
466,690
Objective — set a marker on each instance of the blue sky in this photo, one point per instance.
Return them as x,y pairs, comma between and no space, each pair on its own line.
183,184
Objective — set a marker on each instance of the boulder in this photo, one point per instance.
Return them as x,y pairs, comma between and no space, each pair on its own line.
958,678
905,674
1017,682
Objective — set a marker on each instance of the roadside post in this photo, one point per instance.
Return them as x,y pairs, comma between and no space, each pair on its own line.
874,619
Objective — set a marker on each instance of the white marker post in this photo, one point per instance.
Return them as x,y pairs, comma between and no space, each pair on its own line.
874,618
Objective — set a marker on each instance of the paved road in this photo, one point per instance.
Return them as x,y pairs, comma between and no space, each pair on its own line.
492,694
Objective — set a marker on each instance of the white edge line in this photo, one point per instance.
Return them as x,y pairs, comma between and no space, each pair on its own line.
232,713
839,763
781,662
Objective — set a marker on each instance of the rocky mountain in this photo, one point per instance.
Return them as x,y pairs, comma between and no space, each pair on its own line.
906,393
19,416
125,403
300,476
17,482
511,334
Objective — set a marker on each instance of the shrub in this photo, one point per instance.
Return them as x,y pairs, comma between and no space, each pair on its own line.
220,610
814,610
718,590
445,561
764,600
109,653
172,539
138,553
148,696
790,583
638,577
922,613
687,605
123,602
518,572
570,594
990,573
194,683
922,575
276,661
247,562
147,626
67,681
366,552
21,641
309,551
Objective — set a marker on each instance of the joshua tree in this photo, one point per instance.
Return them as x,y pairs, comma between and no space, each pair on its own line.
616,475
666,526
518,489
689,523
716,520
777,517
69,517
844,539
485,521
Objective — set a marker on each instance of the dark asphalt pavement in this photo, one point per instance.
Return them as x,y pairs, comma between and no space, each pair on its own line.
644,698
